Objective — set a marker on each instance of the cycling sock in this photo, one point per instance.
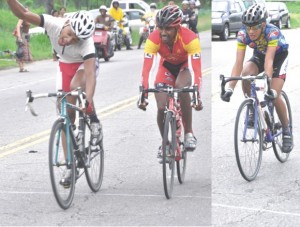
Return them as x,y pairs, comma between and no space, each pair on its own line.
286,131
94,117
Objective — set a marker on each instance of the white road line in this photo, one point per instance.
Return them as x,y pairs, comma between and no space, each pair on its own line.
105,194
43,136
255,209
22,85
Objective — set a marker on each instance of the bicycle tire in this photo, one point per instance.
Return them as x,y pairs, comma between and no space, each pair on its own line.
169,138
58,165
94,172
181,163
248,146
277,143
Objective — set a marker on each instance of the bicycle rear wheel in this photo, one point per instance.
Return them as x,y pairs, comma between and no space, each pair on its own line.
168,150
181,161
59,165
248,142
93,172
277,143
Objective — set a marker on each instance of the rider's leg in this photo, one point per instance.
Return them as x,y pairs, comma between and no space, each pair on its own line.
79,80
250,68
184,80
161,100
279,104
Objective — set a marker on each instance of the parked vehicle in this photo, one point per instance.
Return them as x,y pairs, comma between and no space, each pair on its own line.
249,3
103,45
226,17
134,4
279,14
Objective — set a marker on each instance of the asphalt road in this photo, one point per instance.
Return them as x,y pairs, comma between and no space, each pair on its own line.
132,190
272,199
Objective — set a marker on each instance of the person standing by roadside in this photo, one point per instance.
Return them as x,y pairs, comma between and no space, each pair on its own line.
23,53
62,11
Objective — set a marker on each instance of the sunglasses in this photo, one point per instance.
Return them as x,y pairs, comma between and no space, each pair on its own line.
254,28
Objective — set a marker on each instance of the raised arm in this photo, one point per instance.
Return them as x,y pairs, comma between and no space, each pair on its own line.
22,13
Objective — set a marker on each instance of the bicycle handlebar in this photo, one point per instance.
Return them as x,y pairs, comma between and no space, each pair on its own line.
169,90
60,94
261,76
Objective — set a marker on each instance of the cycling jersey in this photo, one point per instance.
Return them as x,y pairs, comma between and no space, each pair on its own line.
75,53
117,14
186,53
271,36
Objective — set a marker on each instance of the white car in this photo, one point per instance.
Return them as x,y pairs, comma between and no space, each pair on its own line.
133,4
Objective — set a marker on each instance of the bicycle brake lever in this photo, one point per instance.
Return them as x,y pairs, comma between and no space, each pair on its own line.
28,106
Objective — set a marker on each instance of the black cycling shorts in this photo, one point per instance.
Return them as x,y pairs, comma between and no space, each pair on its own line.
279,65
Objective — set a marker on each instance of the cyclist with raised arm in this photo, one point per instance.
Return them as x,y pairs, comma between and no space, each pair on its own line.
270,55
179,66
72,40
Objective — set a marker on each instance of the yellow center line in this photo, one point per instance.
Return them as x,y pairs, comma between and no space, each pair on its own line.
44,135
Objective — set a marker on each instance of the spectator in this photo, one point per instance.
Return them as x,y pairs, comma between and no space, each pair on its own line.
23,53
171,3
62,11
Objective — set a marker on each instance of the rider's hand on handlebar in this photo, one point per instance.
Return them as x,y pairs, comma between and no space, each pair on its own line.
271,95
197,105
225,96
88,108
142,102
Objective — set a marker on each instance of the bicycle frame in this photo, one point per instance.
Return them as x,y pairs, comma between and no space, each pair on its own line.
174,106
64,105
257,106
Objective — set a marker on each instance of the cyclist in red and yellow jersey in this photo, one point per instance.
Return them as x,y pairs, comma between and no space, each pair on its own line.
179,66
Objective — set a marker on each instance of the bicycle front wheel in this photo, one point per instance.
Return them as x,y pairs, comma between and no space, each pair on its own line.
168,150
60,166
95,161
277,143
248,142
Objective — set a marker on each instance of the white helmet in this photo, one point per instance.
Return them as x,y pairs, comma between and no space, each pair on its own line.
153,5
103,7
185,2
82,24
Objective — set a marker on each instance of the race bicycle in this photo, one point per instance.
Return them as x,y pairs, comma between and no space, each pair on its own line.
173,150
70,149
251,138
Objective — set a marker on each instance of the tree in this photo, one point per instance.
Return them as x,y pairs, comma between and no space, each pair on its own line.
49,6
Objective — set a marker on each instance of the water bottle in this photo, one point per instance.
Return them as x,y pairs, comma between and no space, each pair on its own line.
79,140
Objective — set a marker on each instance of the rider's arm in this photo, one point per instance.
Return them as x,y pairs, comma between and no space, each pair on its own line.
273,39
19,10
194,59
238,66
269,58
151,49
88,53
240,56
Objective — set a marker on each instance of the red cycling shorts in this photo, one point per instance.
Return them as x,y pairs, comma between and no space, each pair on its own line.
66,72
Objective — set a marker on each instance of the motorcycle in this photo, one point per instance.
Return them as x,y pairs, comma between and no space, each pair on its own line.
121,36
185,22
103,45
146,30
